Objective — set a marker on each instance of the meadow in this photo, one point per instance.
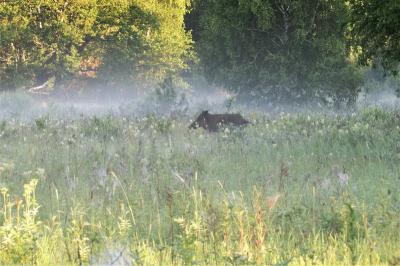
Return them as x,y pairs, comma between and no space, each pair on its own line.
290,189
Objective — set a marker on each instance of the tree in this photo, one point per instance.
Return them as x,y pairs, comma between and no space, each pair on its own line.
374,29
42,38
123,40
148,41
277,50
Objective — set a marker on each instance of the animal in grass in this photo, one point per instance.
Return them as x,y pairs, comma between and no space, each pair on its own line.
212,122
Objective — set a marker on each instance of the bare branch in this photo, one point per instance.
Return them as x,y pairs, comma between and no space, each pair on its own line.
313,17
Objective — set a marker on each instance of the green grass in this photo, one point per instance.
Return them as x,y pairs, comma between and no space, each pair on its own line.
151,192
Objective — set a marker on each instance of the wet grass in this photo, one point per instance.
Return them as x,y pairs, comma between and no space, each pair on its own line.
287,190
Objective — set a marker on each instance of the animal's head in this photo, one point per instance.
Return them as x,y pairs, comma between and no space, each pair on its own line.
204,113
201,121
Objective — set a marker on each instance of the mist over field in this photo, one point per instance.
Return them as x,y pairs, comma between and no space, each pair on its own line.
25,106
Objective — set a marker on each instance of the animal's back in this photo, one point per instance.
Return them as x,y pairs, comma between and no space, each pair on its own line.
235,119
212,122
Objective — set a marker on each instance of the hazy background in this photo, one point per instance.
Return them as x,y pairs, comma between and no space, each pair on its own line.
186,104
73,58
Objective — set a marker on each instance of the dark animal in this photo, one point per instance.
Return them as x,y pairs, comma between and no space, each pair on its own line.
212,122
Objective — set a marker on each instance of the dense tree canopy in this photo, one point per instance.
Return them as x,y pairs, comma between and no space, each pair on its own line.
119,38
268,50
40,38
146,39
375,28
278,50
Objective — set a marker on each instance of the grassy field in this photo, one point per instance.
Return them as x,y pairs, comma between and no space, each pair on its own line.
287,190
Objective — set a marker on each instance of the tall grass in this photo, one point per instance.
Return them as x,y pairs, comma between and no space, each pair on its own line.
287,190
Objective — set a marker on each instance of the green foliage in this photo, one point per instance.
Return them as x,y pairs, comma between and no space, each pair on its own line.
104,128
266,51
149,192
147,40
129,39
42,38
277,50
374,32
41,123
19,228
